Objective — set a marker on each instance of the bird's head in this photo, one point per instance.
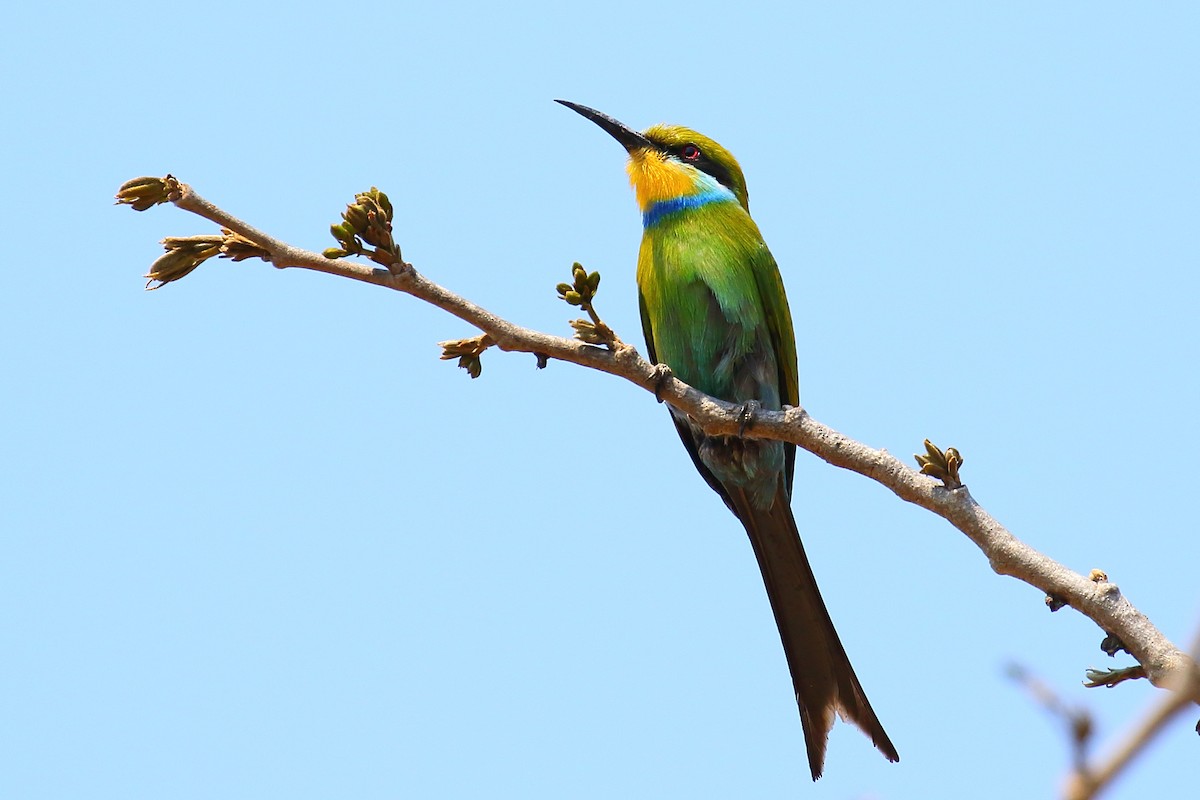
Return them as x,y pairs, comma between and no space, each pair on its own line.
669,161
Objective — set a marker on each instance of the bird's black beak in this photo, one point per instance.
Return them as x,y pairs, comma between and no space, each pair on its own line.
630,139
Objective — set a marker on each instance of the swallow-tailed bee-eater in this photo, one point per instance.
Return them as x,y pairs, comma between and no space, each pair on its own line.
714,311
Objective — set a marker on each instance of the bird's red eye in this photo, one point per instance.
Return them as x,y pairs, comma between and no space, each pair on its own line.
690,152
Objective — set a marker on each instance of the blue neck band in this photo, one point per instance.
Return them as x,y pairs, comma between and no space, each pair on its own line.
665,207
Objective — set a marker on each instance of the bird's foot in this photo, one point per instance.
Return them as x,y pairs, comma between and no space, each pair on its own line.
661,374
746,415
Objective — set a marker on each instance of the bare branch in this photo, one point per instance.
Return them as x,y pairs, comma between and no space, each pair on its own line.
1165,665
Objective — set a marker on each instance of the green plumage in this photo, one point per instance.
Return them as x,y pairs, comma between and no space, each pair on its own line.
714,310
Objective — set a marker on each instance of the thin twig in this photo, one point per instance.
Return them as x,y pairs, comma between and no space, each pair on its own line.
1086,782
1077,721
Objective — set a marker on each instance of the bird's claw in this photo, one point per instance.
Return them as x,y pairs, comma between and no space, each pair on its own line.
661,374
746,415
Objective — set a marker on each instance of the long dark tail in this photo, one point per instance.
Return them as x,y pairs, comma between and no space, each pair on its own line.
821,673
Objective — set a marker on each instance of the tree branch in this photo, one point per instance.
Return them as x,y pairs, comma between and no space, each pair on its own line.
1166,666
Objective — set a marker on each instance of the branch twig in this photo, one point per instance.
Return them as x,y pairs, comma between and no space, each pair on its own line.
1077,720
1087,781
1165,664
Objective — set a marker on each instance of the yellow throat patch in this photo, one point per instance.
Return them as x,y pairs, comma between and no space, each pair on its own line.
656,178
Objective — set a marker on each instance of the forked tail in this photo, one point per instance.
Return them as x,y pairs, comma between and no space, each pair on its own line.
824,680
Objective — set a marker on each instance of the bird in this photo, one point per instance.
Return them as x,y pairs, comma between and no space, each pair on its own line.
714,312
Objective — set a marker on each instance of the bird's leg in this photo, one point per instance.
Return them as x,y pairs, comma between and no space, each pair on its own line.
746,415
661,374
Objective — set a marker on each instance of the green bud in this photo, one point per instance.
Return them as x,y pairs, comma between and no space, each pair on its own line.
135,185
472,365
343,232
384,203
142,193
205,243
573,298
563,288
379,200
356,217
334,252
174,265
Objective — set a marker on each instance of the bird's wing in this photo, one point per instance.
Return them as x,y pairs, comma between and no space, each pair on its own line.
681,426
783,338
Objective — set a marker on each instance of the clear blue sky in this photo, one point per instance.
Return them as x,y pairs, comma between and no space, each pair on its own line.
257,541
